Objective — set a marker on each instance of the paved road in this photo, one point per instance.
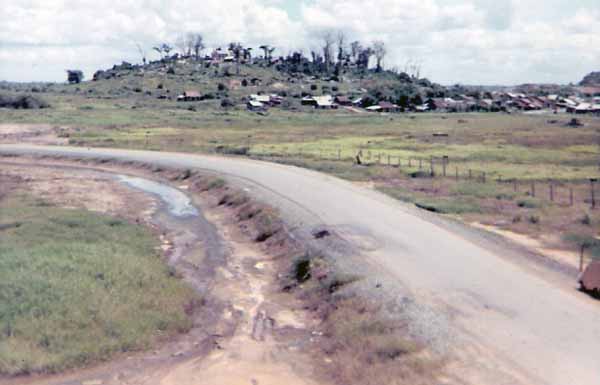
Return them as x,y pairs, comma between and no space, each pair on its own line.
521,325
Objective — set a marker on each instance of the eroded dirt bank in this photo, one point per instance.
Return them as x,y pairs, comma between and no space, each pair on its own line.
244,331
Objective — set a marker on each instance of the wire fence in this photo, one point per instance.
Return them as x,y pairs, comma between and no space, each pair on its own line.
561,192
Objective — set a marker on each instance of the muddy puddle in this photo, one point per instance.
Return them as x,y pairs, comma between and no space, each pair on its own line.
178,204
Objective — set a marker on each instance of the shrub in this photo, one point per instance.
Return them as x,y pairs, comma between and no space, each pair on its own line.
586,220
528,203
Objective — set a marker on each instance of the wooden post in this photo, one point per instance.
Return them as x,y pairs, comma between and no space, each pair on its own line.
592,193
456,170
551,192
431,171
420,164
483,176
399,162
410,162
581,255
445,160
532,189
389,160
515,185
571,196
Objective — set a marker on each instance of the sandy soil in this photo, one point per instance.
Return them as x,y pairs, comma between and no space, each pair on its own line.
87,190
33,133
542,246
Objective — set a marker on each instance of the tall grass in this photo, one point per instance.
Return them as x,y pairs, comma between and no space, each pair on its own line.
76,287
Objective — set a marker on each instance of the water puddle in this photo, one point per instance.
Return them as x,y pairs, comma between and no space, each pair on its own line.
179,205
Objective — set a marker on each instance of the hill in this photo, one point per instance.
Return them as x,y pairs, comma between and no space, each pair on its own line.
591,79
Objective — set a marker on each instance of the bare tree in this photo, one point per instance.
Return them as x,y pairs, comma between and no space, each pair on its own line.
196,42
341,39
163,49
142,52
328,41
268,50
355,48
237,50
379,51
182,45
413,68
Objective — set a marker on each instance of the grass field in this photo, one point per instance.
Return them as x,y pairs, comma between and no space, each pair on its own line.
77,287
542,150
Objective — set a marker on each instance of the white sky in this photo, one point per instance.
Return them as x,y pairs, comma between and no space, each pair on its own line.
458,41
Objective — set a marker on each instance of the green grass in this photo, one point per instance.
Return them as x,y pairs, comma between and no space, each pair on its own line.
77,287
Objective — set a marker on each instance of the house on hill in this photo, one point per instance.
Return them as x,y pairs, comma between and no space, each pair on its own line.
254,105
343,101
189,96
389,107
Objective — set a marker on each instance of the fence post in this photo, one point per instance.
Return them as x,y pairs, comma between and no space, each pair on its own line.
431,166
533,189
389,160
571,196
339,154
456,170
515,185
420,164
592,192
445,163
483,176
470,174
410,162
551,192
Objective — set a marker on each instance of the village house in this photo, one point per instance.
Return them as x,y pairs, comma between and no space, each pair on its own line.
389,107
255,106
324,102
189,96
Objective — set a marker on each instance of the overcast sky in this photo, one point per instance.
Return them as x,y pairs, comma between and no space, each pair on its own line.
457,41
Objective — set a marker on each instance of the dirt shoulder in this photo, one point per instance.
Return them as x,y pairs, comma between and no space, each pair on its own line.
244,331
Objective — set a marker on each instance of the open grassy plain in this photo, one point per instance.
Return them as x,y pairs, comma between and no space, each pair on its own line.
524,173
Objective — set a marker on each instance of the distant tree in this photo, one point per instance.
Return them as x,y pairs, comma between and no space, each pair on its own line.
74,76
341,39
197,43
355,49
364,57
379,51
186,43
142,52
268,51
237,50
327,48
163,49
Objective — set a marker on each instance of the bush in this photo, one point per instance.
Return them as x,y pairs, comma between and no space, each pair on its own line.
586,220
227,103
222,87
313,87
528,203
24,102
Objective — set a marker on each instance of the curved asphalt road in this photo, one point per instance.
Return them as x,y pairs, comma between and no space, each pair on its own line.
519,323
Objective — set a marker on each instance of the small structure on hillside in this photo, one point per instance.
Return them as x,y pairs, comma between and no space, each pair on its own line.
324,102
343,100
255,106
189,96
